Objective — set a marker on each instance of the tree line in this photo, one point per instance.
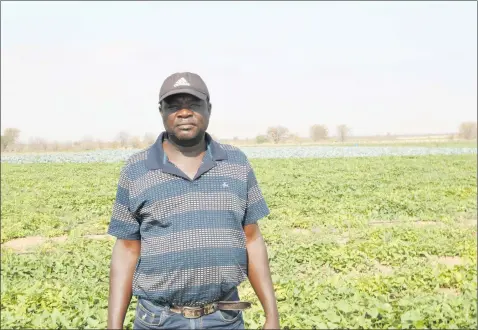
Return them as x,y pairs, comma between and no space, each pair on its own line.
10,143
318,132
9,140
278,134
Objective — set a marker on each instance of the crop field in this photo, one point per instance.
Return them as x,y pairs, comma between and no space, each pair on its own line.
359,242
270,152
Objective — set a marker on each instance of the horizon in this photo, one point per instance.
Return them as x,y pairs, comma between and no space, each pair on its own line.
328,139
378,67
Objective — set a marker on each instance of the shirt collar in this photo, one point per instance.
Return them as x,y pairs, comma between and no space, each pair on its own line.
156,157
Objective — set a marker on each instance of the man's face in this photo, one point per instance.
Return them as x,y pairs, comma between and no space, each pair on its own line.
185,116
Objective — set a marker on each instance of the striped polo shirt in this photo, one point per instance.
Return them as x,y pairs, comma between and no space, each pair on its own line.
193,247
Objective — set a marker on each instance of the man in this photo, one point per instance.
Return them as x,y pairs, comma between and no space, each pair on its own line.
185,219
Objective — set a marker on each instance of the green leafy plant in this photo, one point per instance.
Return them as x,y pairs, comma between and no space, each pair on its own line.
385,242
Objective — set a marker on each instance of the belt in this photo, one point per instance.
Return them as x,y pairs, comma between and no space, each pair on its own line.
195,312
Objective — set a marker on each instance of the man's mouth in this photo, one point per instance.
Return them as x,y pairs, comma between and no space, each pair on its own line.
185,126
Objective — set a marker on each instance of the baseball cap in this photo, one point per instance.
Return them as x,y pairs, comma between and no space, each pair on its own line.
184,82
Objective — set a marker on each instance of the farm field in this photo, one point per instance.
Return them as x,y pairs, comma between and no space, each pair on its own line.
247,144
359,242
270,152
429,143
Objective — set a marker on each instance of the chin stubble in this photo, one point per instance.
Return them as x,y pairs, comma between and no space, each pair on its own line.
186,143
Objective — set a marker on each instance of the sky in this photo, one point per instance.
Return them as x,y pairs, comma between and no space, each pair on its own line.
71,70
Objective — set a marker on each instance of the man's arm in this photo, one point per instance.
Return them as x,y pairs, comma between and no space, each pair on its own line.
259,274
123,263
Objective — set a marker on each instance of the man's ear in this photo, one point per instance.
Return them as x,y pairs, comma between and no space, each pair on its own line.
209,107
160,107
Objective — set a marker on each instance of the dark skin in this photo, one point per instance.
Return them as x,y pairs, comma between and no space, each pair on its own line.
123,262
186,118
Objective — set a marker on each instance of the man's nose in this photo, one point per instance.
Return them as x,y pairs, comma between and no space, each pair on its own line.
184,112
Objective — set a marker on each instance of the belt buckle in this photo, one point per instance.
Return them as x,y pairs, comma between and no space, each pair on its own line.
196,312
209,308
191,312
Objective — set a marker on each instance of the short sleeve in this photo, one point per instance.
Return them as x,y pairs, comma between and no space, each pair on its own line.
123,224
256,206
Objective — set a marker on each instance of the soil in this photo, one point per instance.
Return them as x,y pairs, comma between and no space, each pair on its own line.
449,291
27,244
386,270
394,223
450,261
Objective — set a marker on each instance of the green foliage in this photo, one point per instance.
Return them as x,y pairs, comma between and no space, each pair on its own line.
261,139
344,246
53,199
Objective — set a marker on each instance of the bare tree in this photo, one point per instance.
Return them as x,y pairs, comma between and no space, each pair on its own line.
123,139
343,131
277,134
467,130
39,144
13,133
9,138
318,132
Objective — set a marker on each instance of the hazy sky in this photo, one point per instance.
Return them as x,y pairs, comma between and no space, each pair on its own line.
76,69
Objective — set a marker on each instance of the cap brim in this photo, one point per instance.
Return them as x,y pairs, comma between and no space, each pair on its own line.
184,91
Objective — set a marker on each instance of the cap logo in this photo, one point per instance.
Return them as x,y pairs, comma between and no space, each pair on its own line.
181,82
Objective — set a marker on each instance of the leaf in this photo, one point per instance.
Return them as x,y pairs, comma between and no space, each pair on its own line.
373,313
92,322
420,324
458,277
322,305
332,316
344,307
410,316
